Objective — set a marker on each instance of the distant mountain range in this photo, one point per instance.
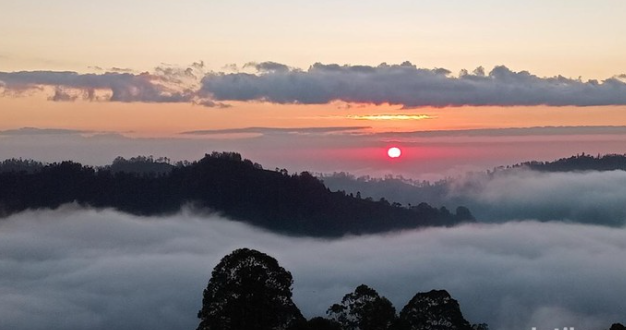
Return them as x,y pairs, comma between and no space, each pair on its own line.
223,182
582,162
296,204
566,189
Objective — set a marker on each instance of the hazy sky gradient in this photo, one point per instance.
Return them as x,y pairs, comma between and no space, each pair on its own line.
155,69
568,37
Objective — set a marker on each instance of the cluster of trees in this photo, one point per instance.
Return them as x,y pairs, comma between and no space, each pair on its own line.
141,165
250,290
20,165
582,162
396,188
222,181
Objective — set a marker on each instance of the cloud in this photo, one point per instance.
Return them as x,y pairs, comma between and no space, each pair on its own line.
592,197
85,269
515,131
167,84
26,131
61,95
588,197
278,130
123,87
407,85
116,69
267,67
403,84
393,117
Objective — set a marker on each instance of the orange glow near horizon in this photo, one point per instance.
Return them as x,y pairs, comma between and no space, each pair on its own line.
391,117
168,120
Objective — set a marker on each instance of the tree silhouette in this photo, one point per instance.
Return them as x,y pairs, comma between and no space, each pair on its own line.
297,204
363,309
248,290
434,310
316,323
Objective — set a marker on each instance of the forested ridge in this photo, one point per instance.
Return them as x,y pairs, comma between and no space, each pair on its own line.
297,204
582,162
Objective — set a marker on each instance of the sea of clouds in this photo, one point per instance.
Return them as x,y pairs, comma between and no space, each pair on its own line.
592,197
76,268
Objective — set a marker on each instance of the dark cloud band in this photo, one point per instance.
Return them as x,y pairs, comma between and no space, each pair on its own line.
403,84
279,130
407,85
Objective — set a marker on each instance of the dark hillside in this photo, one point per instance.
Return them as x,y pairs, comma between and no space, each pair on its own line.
238,188
583,162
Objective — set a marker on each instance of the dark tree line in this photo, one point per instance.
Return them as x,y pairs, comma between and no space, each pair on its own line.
296,204
249,290
582,162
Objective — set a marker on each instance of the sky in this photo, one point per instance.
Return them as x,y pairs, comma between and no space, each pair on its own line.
235,75
324,86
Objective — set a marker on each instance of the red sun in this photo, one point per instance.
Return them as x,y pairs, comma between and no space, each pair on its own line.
394,152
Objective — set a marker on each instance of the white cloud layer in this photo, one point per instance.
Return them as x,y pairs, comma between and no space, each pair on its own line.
83,269
592,197
589,197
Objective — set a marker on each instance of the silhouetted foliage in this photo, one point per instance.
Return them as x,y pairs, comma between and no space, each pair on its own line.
248,290
141,165
240,189
617,326
434,310
20,165
363,309
582,162
480,326
463,214
316,323
396,189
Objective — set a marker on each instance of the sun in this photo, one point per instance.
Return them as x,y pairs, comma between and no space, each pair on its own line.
394,152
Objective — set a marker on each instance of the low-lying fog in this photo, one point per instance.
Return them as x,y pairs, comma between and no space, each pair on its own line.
591,197
85,269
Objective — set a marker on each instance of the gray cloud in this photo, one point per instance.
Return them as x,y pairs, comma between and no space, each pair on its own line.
267,66
515,131
407,85
116,69
124,87
61,95
278,130
25,131
167,84
403,84
78,269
